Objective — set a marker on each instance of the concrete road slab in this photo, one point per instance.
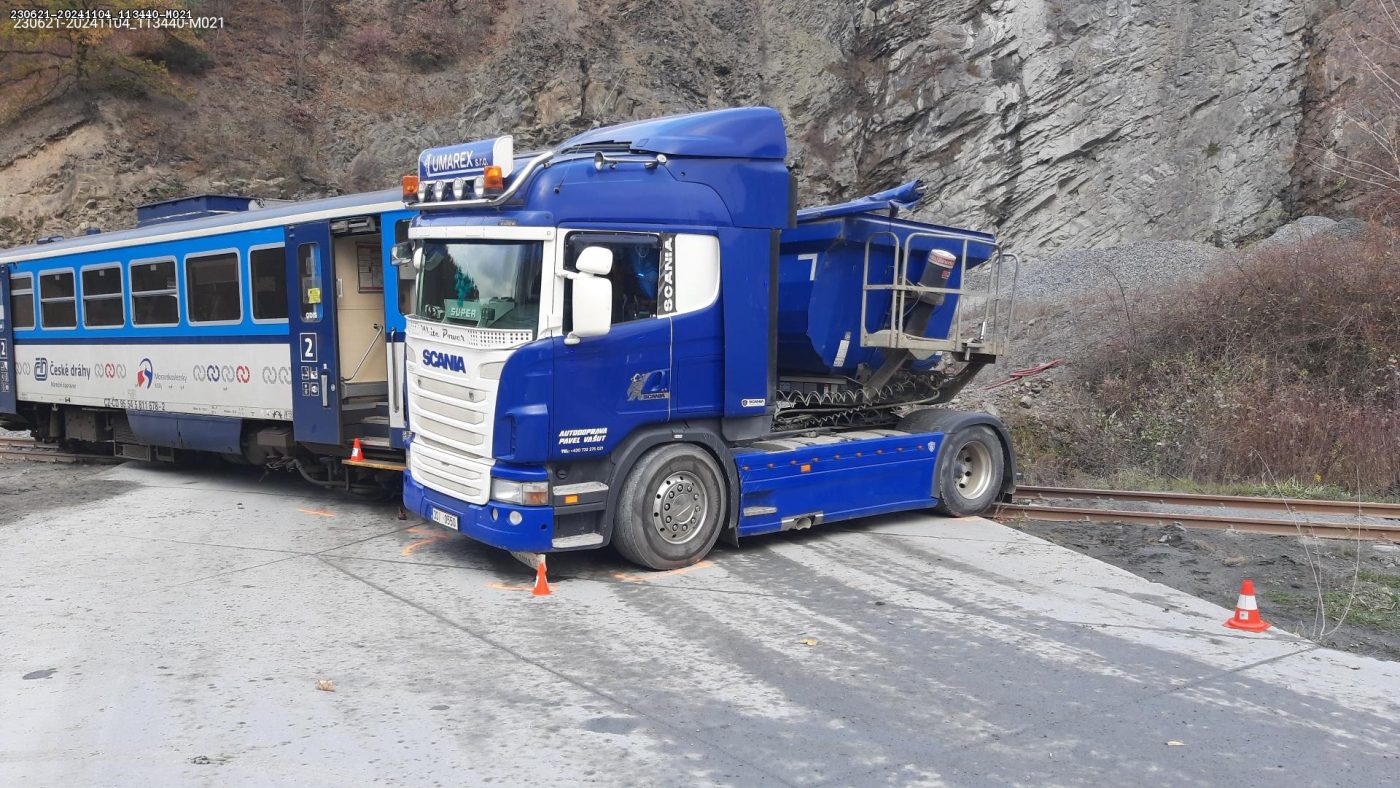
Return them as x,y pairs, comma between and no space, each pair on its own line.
167,636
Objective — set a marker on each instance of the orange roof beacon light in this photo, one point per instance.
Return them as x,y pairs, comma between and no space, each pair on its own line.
492,180
410,187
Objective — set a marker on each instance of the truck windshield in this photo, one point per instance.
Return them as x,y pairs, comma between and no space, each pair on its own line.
481,283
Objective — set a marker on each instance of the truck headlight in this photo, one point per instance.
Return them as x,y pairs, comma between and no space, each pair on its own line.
523,493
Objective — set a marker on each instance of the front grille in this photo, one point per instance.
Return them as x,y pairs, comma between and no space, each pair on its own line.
450,472
451,415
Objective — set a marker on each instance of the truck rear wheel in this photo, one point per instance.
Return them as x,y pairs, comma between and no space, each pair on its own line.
971,470
672,508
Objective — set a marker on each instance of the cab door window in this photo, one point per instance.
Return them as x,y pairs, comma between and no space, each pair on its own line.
635,276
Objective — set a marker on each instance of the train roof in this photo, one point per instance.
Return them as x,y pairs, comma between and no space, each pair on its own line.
270,216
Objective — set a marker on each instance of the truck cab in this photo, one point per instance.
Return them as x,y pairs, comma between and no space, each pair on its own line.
601,350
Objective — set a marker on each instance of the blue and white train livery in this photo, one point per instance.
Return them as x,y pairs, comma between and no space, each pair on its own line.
267,333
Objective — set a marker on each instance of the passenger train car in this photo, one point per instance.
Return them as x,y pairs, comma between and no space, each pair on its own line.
271,334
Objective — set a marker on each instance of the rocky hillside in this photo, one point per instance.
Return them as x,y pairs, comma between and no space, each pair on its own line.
1059,123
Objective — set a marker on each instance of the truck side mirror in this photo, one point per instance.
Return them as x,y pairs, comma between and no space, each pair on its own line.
592,296
401,254
596,260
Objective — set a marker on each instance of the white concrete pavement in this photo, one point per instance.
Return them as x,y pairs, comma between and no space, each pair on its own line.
174,633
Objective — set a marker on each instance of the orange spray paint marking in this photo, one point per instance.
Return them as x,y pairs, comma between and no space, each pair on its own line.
429,535
316,512
509,587
635,577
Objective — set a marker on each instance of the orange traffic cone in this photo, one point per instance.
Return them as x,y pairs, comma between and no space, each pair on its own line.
1247,611
541,582
357,454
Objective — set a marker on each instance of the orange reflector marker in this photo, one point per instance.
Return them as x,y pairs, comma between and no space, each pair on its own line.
568,499
492,180
410,187
805,467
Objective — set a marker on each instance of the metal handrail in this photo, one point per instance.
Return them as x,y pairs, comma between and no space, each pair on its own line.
378,332
992,322
865,276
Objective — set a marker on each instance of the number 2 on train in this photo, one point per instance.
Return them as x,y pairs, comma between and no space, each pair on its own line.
308,347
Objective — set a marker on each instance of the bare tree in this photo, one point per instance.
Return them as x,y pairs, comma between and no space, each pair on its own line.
44,64
1365,148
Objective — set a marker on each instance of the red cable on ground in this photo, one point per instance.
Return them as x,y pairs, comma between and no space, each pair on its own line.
1025,373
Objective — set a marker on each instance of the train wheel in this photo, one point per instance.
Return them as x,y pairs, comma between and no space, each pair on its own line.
970,471
672,508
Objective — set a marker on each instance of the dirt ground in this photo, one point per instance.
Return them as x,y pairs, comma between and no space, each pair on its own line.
1287,573
28,487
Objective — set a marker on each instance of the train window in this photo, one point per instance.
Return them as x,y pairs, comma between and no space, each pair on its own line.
214,292
269,272
103,305
22,300
309,270
155,299
57,305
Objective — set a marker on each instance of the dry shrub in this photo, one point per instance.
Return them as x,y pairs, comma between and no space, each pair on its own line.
1287,366
371,43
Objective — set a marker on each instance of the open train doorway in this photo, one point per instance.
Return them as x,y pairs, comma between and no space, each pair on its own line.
347,321
362,328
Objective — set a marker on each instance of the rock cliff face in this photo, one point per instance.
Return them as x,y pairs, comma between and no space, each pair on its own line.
1070,123
1058,123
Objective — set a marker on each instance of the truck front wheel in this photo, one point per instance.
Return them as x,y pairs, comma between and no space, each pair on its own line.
672,507
970,471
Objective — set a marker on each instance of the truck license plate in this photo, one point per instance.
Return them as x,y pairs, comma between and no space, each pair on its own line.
444,518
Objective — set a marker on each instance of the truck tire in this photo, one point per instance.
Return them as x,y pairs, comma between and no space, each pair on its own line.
672,507
971,469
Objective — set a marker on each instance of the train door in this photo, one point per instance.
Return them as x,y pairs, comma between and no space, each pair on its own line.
399,282
312,324
7,344
362,281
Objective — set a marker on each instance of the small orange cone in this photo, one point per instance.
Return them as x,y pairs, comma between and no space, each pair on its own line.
357,454
1247,611
541,582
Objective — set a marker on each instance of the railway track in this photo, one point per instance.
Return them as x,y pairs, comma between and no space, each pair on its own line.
30,450
1278,516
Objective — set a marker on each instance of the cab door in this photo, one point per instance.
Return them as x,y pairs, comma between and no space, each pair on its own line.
7,346
312,324
607,386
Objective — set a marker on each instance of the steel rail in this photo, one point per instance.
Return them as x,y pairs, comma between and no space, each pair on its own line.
42,452
1277,505
1277,527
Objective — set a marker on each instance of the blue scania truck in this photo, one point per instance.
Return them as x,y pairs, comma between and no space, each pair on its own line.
636,338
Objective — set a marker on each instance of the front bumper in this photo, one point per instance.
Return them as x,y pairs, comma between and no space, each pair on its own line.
489,522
